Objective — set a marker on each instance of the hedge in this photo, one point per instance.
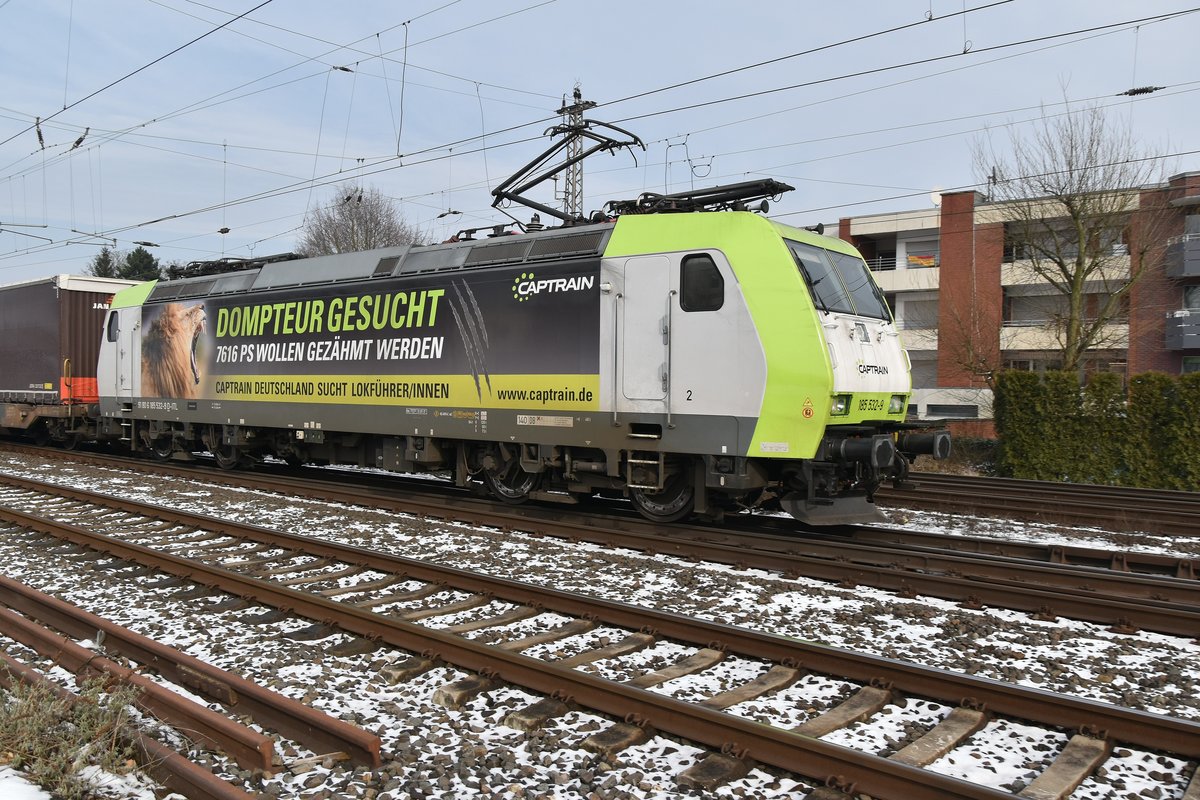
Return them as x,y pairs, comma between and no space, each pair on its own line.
1148,435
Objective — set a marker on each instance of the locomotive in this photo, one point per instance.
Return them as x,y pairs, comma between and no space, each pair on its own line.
697,361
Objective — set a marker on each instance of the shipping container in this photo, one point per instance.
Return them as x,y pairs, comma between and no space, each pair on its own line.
51,329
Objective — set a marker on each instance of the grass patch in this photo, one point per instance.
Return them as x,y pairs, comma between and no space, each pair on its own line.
54,741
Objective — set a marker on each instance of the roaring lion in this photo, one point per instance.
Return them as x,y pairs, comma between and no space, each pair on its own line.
169,366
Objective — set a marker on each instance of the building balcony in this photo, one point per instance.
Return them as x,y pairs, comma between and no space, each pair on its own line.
918,337
1183,256
908,280
1043,335
1183,330
1022,273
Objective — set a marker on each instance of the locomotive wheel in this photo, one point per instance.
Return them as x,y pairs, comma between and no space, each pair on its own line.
163,448
508,482
676,500
227,456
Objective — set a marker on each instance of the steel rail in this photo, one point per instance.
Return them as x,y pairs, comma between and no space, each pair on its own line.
1126,725
251,750
1180,567
1132,509
932,574
800,754
166,766
789,531
887,548
305,724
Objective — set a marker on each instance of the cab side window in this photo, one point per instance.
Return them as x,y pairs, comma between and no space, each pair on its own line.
113,326
701,287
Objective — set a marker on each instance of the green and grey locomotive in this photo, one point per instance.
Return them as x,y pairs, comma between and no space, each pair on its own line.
697,362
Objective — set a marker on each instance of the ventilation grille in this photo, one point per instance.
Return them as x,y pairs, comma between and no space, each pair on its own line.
165,291
496,253
385,267
580,243
197,289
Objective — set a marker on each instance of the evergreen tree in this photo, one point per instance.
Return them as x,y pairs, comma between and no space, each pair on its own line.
139,265
104,265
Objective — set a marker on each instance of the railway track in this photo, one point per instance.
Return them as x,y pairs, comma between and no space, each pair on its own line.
438,499
171,769
1111,507
39,612
1153,601
351,589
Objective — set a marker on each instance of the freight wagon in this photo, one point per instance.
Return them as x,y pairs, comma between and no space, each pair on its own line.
51,329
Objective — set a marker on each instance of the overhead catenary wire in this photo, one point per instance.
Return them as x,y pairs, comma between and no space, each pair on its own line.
546,119
142,68
778,59
385,166
67,63
377,35
204,104
805,84
996,47
901,65
962,187
979,184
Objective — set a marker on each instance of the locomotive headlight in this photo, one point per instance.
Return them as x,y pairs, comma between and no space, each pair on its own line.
897,404
840,406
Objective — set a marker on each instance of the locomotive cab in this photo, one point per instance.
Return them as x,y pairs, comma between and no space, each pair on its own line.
865,440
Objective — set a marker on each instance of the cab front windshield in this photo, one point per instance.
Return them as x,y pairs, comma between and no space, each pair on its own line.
838,282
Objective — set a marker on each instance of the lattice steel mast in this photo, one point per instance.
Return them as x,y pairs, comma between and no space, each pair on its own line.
573,177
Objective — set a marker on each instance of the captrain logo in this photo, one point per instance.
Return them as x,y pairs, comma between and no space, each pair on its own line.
526,285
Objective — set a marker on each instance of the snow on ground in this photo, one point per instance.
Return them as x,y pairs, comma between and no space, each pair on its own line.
437,752
13,786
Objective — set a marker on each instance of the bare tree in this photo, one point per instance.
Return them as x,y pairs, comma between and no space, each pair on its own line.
355,219
1069,195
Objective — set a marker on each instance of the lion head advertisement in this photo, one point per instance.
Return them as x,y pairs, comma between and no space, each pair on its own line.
170,341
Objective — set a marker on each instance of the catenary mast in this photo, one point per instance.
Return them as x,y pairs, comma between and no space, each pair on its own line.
573,179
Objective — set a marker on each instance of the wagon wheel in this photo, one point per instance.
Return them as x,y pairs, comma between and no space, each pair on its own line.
506,479
676,500
71,441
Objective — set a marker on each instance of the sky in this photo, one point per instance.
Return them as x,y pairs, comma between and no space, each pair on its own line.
203,117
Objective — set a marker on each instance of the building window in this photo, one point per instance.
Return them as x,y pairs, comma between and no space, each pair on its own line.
952,411
1032,364
1191,298
1190,364
924,374
920,315
1032,310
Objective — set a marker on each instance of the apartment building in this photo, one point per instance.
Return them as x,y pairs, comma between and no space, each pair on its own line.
966,300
